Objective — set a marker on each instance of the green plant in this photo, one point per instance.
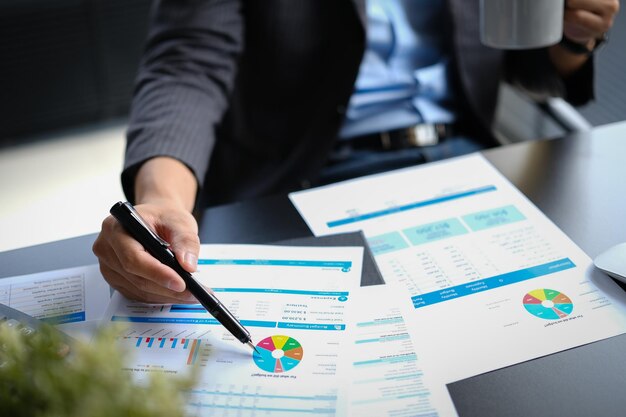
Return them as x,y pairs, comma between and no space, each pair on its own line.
37,380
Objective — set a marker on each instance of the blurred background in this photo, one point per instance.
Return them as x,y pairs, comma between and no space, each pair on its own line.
66,80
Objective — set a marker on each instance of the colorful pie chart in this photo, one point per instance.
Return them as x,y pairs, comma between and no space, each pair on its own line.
278,354
548,304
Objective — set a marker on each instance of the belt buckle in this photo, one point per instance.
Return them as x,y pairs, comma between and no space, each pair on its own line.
425,134
385,141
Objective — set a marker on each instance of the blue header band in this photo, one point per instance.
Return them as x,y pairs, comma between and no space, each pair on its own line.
197,308
410,206
284,291
343,265
247,323
311,326
487,284
65,318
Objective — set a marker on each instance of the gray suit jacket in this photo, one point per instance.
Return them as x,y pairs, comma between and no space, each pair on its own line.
250,94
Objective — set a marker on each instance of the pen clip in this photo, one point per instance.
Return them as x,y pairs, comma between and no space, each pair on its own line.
140,220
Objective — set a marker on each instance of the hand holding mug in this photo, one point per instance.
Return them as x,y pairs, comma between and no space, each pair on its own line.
526,24
588,20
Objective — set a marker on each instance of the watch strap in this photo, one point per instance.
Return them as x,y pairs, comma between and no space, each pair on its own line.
579,48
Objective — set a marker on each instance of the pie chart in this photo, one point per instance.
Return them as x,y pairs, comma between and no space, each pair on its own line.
278,354
548,304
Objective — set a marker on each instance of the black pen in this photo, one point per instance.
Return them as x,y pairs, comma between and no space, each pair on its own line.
130,219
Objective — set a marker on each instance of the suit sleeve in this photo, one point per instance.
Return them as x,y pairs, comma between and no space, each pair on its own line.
181,92
533,72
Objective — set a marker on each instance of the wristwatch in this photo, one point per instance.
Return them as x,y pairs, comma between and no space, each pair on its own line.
579,48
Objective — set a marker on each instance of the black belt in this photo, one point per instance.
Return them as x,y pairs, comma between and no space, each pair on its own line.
425,134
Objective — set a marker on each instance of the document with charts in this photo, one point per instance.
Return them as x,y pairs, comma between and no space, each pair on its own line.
492,281
293,300
388,376
62,297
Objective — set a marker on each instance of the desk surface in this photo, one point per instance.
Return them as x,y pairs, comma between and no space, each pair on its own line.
578,181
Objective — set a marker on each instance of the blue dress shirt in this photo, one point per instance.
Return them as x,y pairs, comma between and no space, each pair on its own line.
404,76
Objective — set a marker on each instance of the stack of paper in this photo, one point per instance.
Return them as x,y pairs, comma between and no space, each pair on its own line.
477,279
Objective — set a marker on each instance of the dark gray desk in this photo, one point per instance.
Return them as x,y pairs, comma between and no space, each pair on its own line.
578,181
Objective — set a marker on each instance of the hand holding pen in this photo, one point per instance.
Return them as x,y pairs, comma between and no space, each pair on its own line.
136,274
137,227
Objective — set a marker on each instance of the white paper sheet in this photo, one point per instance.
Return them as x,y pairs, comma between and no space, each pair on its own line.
294,302
388,376
493,282
59,297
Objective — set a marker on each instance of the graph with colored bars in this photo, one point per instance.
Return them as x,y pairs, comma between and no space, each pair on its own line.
278,354
186,349
548,304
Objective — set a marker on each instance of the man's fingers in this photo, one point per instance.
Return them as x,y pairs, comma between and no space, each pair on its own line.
186,247
130,269
140,263
600,7
130,256
140,289
124,255
583,25
587,19
180,229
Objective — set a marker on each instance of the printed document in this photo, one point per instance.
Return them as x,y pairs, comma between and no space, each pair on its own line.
58,297
492,281
388,376
293,300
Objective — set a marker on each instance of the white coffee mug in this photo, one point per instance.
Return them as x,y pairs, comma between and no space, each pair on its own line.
521,24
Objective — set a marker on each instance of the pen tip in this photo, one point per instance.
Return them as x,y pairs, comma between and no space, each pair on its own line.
253,347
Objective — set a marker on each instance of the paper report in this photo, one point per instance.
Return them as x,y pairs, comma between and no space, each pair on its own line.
388,375
58,297
492,281
293,301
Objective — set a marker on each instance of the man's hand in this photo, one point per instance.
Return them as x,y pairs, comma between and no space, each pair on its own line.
135,273
586,21
165,189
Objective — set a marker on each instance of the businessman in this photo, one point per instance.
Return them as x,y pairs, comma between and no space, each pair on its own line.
238,99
